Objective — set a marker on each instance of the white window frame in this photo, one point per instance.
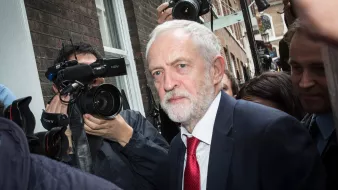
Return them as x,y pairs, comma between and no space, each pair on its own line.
129,82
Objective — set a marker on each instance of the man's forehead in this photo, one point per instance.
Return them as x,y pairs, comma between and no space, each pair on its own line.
86,58
304,42
168,49
303,49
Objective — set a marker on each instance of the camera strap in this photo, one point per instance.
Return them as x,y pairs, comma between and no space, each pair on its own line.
52,120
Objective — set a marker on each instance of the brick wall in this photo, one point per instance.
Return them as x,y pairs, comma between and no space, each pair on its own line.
232,40
53,22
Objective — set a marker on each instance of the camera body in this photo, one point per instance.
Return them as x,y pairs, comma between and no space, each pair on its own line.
75,80
189,9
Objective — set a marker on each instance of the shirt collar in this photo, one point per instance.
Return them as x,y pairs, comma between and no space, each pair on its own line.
205,126
325,124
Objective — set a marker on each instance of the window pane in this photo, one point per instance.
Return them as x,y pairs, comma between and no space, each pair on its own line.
111,24
103,29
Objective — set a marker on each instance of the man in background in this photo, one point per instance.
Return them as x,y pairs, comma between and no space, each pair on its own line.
310,84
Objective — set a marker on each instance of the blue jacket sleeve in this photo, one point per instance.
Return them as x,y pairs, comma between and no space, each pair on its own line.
6,95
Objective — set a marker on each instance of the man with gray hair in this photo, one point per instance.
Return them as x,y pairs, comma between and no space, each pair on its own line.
224,143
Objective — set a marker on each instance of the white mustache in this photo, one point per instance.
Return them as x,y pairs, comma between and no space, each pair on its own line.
176,93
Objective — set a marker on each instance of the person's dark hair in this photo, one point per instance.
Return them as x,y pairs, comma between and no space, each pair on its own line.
234,84
78,48
275,87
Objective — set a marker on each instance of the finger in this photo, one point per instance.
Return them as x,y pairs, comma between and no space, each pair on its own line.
92,125
168,12
161,8
64,106
91,131
162,18
53,104
170,17
60,106
94,119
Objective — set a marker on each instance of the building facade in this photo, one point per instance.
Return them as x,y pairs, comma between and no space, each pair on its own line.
278,27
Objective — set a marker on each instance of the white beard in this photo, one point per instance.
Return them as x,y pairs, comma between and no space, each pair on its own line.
194,109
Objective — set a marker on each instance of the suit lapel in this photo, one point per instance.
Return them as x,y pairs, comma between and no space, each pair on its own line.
177,158
221,145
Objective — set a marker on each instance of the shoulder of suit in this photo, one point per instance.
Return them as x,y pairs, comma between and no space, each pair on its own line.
255,110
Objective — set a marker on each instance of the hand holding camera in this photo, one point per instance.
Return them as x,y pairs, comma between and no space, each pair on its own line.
164,13
113,129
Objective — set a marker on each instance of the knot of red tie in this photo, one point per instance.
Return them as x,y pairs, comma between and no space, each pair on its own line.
192,144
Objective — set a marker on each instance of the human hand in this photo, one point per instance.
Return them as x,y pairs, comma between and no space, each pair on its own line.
316,16
57,106
164,14
116,129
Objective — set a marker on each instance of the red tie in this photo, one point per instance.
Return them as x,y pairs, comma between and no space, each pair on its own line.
192,170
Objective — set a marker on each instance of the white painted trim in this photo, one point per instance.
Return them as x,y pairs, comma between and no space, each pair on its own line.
131,80
118,52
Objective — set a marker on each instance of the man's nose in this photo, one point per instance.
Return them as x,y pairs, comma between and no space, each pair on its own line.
169,82
307,80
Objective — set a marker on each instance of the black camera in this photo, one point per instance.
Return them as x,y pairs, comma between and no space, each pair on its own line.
189,9
75,79
52,143
104,100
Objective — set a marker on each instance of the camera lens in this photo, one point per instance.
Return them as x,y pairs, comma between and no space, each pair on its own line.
186,9
104,100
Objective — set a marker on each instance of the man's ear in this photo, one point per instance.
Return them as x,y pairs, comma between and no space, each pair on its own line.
55,89
218,68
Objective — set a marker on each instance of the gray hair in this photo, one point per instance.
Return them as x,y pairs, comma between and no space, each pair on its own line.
202,36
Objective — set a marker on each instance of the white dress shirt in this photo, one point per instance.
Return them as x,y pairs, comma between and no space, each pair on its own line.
202,131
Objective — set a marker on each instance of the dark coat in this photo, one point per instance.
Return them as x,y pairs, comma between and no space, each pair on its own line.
132,167
329,155
20,170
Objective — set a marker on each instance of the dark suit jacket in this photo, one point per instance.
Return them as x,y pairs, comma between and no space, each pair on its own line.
329,155
253,147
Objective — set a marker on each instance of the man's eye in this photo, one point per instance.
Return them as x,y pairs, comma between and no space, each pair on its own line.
182,65
156,73
296,68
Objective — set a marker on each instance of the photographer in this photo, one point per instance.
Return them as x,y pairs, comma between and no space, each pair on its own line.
25,171
124,150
